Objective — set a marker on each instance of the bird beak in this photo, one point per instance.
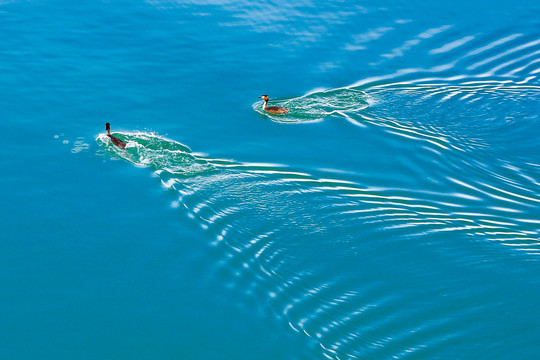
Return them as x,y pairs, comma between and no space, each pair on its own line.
260,97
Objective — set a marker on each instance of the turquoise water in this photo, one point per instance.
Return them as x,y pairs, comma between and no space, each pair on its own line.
393,213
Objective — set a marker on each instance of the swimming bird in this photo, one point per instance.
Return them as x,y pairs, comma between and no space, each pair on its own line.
278,110
116,141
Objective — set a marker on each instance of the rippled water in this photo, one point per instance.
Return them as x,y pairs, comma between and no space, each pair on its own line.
393,212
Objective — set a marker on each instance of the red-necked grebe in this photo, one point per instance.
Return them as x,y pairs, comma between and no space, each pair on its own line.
116,141
278,110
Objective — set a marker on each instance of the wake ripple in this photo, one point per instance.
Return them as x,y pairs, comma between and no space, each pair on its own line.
280,232
489,83
150,150
317,105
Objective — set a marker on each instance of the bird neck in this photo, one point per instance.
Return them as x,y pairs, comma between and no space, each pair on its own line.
265,103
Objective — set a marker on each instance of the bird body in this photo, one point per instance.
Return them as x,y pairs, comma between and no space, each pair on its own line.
278,110
116,141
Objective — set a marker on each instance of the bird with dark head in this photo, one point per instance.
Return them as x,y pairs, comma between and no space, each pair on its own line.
116,141
278,110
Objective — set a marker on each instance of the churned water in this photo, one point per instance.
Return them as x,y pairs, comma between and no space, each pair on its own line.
392,213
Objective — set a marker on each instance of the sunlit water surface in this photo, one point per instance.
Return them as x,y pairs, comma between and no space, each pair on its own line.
393,212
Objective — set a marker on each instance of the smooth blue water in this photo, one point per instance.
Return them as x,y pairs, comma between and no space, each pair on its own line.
393,213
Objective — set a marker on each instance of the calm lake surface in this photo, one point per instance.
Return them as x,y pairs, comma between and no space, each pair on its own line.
393,213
